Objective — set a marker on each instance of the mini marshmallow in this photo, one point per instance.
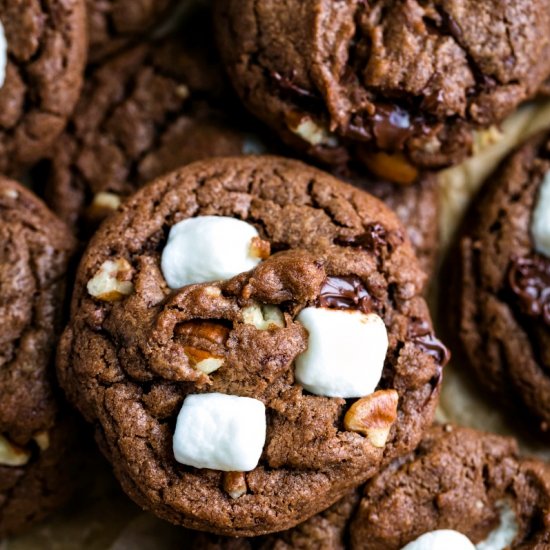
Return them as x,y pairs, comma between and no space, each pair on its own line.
540,224
207,248
502,536
3,55
345,354
220,432
444,539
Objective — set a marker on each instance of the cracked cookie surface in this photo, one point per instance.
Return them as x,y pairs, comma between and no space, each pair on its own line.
112,24
143,113
504,309
35,433
124,365
458,479
358,80
159,106
46,46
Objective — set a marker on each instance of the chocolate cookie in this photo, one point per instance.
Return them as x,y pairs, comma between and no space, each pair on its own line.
112,24
460,480
142,113
397,85
208,317
35,432
459,486
160,106
505,282
42,55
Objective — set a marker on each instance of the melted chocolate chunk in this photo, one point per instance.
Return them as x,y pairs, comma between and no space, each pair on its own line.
392,127
422,335
375,239
346,293
529,279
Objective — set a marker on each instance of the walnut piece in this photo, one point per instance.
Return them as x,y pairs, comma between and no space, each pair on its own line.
201,334
11,454
310,131
112,281
260,249
203,360
373,416
234,484
103,204
263,316
42,440
394,167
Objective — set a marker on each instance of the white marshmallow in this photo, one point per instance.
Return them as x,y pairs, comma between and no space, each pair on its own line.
444,539
345,354
507,530
540,224
207,248
220,432
3,55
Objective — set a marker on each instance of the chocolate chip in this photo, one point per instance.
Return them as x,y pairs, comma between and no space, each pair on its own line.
346,293
529,279
392,127
375,239
423,336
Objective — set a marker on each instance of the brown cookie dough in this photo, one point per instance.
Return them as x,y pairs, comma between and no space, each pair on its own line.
504,309
397,85
142,113
456,479
34,433
112,24
46,45
29,493
417,207
123,363
325,531
160,106
460,479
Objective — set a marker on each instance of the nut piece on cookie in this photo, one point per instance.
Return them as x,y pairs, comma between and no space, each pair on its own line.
234,484
103,204
307,129
12,455
263,316
202,360
346,352
42,439
393,167
209,248
373,416
112,281
220,432
540,224
443,538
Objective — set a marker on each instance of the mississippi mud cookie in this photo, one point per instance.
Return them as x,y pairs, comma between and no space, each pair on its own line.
249,338
42,55
142,113
460,487
35,434
505,282
396,85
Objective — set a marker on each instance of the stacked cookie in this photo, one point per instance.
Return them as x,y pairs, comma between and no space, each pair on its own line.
248,335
